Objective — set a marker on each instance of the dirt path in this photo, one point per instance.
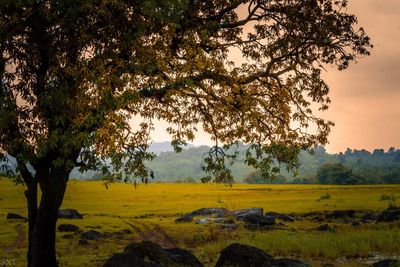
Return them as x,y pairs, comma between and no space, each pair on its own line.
147,231
19,242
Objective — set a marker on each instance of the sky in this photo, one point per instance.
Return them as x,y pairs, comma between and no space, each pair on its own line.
366,97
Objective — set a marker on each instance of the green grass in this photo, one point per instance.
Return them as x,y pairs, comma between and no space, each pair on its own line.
150,210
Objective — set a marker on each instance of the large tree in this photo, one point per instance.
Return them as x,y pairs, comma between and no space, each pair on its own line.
83,80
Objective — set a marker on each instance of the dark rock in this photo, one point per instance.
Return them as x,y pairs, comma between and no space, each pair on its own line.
289,263
387,263
165,257
227,226
369,217
127,260
281,216
15,216
314,213
68,228
286,218
83,242
182,257
69,214
325,228
258,219
389,215
245,212
92,235
213,220
243,256
184,218
68,236
340,214
203,212
152,251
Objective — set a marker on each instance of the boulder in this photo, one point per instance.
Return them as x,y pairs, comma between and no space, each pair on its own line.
227,226
184,218
165,257
68,228
128,260
340,214
245,212
257,219
92,235
286,218
146,249
69,214
211,220
281,216
220,212
389,215
387,263
289,263
369,217
182,257
15,216
243,256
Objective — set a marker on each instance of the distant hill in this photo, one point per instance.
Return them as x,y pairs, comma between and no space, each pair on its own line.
373,167
159,147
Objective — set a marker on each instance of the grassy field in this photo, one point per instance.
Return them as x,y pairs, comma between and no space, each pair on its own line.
149,211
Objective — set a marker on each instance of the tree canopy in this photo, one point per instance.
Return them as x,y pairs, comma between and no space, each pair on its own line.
77,75
83,81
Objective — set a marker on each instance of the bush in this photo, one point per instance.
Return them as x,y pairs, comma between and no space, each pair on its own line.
325,196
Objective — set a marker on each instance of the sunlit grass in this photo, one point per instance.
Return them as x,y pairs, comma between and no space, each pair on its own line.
143,209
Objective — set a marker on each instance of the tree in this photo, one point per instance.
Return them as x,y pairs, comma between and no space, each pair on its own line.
337,174
82,82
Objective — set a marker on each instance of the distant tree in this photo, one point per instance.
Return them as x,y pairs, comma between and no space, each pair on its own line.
392,178
378,152
83,81
256,177
341,158
320,153
348,152
391,150
337,174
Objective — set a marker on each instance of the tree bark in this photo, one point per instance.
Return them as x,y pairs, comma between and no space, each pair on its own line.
31,196
43,251
31,183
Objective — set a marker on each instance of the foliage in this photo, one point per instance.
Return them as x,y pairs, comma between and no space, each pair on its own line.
91,76
325,196
337,174
81,83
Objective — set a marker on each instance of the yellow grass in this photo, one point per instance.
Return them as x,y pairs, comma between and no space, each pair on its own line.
149,212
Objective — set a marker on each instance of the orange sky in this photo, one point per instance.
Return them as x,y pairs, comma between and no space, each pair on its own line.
366,97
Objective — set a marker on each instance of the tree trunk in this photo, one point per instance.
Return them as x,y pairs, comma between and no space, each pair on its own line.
31,197
43,249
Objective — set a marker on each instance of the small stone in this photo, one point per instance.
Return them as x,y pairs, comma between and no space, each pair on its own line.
15,216
67,228
69,214
92,235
